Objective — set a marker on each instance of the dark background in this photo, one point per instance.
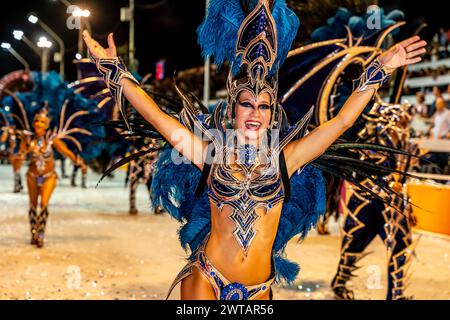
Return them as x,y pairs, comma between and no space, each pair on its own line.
164,28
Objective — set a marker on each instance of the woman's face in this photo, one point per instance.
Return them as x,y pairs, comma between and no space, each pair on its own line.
40,125
252,116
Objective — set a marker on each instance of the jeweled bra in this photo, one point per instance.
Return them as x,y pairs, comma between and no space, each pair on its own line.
260,186
41,151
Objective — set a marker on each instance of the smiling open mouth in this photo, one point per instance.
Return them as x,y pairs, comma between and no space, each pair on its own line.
252,125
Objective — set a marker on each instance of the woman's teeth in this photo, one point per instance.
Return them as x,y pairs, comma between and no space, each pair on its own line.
252,125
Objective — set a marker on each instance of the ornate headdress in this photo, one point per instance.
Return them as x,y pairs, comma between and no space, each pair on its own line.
257,47
255,37
42,113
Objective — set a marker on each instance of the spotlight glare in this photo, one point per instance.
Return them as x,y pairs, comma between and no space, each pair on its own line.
6,45
78,12
44,43
18,34
32,18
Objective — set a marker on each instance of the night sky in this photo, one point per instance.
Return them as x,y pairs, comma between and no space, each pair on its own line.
167,30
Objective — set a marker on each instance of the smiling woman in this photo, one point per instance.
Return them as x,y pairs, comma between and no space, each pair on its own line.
252,116
256,154
41,176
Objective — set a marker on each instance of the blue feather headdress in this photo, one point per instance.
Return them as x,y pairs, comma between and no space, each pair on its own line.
218,33
255,37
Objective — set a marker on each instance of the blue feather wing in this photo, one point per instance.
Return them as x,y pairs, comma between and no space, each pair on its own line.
298,216
173,188
217,35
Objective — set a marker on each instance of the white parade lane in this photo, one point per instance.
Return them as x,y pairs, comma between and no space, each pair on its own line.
95,250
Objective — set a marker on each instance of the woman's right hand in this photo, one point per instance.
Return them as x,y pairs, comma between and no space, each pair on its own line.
96,50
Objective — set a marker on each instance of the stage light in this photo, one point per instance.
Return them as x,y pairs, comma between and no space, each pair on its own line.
18,34
32,18
44,43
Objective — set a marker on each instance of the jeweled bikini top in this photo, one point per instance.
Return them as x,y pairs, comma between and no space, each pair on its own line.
247,178
41,151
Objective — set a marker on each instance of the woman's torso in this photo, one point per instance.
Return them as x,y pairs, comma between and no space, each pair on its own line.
246,201
41,155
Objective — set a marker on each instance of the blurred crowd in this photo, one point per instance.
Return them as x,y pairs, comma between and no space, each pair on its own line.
430,72
432,120
439,46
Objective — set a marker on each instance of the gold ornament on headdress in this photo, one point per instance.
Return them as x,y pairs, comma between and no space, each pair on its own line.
257,47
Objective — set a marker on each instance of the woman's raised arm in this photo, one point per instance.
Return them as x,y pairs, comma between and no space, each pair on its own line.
300,152
181,138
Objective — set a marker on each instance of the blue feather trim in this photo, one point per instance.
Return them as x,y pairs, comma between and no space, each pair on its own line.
299,215
173,188
285,269
217,35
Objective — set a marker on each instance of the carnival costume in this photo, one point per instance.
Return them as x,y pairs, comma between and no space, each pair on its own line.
9,142
41,155
15,81
63,124
365,217
255,38
387,124
141,171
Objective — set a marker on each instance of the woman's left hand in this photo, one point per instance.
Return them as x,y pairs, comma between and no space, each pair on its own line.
404,53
